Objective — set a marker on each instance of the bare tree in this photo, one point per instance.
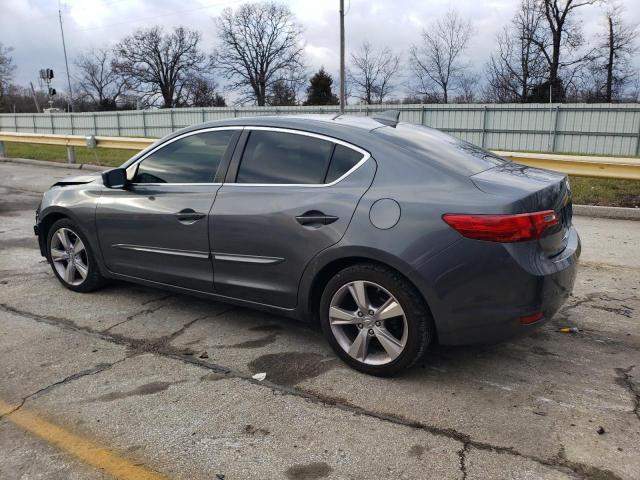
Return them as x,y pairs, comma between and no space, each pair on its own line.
158,65
97,80
437,61
518,63
560,43
372,73
6,68
260,46
200,91
616,49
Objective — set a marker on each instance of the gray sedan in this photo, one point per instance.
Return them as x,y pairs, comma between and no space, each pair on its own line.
392,236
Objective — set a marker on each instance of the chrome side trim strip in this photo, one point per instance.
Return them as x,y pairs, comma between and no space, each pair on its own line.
163,251
230,257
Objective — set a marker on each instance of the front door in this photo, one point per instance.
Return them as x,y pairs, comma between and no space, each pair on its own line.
157,227
293,195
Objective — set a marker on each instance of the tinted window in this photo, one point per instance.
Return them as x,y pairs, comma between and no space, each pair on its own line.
343,160
433,146
276,157
192,159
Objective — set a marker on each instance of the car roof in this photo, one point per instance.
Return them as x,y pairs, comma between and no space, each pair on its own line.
307,122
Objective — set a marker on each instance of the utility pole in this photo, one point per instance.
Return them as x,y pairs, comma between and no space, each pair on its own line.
66,62
35,97
342,73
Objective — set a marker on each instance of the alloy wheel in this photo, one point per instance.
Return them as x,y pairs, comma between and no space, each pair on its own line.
368,322
69,256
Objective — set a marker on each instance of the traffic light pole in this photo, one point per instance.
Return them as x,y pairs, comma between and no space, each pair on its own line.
66,62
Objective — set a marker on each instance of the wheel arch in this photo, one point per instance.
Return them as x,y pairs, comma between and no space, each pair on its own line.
326,267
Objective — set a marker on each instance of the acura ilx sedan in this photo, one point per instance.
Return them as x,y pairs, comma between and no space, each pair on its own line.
392,236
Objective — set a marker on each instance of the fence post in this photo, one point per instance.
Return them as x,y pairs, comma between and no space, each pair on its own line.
95,125
203,117
71,154
423,116
484,127
35,127
173,127
638,138
71,120
15,122
118,123
2,150
144,123
53,127
555,129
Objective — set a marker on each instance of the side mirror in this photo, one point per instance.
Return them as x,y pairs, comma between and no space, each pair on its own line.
116,178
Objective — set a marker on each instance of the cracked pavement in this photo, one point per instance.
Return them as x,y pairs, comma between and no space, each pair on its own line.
165,380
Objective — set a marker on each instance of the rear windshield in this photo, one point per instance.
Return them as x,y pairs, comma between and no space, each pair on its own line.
433,146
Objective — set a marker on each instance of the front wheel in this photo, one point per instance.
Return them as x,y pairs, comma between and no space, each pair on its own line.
375,320
71,257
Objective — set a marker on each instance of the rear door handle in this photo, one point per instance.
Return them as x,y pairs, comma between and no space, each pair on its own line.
188,215
315,218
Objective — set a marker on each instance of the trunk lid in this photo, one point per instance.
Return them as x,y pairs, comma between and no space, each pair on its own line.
528,189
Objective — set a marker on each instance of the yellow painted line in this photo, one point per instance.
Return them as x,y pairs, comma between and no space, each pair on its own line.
77,446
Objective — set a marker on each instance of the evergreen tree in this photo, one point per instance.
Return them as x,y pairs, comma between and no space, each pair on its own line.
319,90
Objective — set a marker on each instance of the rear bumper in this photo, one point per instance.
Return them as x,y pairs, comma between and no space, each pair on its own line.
482,299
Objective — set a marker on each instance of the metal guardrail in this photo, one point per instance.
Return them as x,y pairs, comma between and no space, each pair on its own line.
585,166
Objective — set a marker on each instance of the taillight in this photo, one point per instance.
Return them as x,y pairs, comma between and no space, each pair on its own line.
502,228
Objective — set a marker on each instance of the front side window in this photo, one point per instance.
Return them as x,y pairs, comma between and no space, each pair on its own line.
192,159
284,158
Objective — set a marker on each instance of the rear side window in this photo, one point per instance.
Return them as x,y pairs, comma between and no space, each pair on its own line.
192,159
277,157
343,160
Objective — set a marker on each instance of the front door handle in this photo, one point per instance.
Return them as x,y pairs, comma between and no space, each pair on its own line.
315,218
189,216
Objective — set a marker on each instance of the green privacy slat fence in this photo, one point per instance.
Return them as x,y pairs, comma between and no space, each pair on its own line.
590,129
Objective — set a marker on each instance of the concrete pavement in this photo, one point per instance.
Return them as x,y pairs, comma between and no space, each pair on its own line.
163,382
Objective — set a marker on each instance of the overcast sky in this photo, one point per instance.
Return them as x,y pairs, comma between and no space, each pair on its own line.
31,26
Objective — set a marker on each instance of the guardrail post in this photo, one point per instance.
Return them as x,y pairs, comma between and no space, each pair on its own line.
71,154
2,150
484,127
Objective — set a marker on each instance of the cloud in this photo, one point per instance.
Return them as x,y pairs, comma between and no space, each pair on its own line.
31,26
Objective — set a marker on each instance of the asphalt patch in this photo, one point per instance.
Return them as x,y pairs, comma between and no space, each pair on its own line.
309,471
146,389
260,342
291,368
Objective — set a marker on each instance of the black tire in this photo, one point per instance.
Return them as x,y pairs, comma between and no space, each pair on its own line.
93,279
419,321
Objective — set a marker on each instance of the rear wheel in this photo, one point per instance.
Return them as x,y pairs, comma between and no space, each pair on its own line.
375,320
71,257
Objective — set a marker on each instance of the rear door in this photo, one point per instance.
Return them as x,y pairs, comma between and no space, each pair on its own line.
157,227
288,195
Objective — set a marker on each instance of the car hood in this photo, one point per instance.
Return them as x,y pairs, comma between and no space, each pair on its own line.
79,180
